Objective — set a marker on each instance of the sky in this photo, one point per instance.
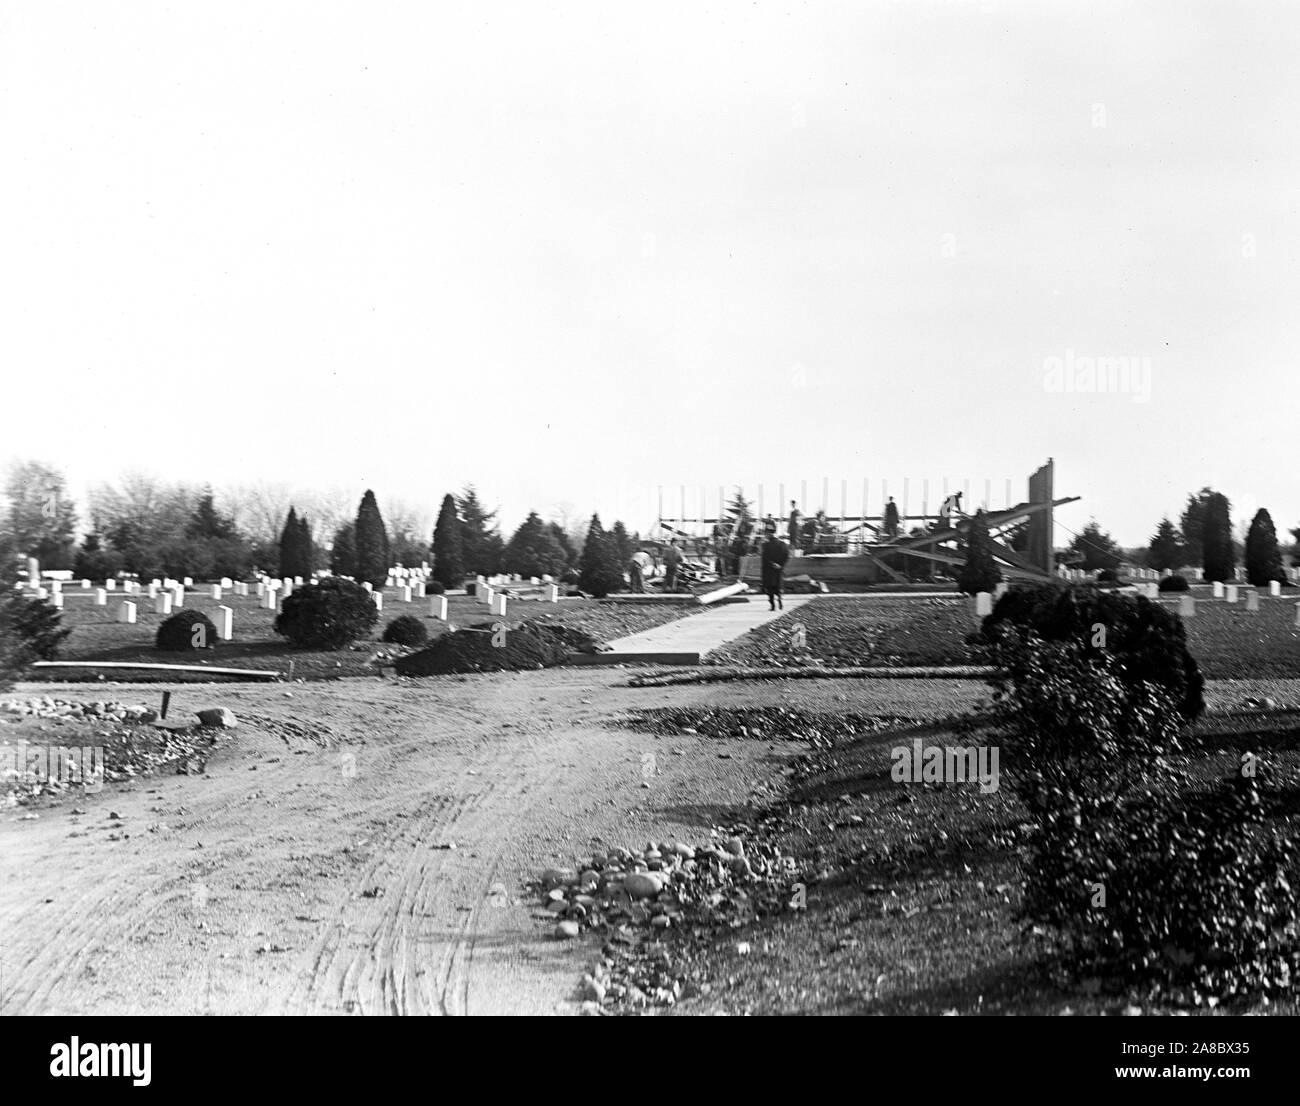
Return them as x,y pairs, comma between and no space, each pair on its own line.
574,252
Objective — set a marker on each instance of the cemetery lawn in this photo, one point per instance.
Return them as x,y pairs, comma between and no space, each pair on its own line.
1227,642
874,632
97,636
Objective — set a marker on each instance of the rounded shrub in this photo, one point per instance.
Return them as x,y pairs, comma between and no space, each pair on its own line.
326,615
1148,642
406,630
435,587
1173,583
186,631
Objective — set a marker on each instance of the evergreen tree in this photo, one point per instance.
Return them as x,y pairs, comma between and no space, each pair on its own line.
740,508
1166,549
343,551
448,561
371,537
207,523
1218,557
42,518
94,562
1263,557
532,550
980,572
1095,548
600,571
1192,525
481,546
563,541
623,544
296,551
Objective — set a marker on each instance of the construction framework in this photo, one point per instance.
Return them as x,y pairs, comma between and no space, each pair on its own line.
858,550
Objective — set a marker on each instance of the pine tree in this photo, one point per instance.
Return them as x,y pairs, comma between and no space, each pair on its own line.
290,546
1166,548
623,546
371,537
1263,557
1192,526
563,541
599,570
1218,558
343,551
1095,548
481,546
980,572
532,550
448,562
306,548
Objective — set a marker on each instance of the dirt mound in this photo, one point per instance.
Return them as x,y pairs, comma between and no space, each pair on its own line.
483,648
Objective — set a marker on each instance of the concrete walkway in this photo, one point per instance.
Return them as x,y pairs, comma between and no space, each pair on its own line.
687,640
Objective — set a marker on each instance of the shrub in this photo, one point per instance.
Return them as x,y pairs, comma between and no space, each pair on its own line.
1148,642
1173,583
37,629
185,631
434,587
1197,888
1108,576
326,615
406,630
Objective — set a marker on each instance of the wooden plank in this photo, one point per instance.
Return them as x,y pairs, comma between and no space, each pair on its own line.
252,673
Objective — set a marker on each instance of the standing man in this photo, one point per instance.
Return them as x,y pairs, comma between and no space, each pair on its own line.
774,553
891,519
792,529
672,562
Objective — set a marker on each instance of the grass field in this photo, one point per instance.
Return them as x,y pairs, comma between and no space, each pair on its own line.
1227,642
98,636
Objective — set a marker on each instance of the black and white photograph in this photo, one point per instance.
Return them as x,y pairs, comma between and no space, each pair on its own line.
694,509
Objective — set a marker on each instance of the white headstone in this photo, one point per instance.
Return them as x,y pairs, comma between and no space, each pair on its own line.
297,581
153,591
499,607
1186,606
1275,588
489,596
216,591
41,593
56,599
405,593
33,571
1230,593
438,607
1218,589
85,584
417,589
111,585
162,603
1000,589
378,597
367,585
261,589
270,599
227,582
126,611
1153,591
983,604
178,598
225,623
552,593
101,597
188,582
1297,616
1252,600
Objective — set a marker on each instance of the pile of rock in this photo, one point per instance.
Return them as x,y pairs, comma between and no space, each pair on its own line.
633,894
46,707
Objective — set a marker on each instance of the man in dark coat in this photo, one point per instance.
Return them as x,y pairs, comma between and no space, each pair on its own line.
774,553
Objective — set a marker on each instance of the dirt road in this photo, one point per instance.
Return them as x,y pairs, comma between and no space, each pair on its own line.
357,847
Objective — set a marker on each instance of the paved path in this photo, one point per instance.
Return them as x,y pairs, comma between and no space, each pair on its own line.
687,640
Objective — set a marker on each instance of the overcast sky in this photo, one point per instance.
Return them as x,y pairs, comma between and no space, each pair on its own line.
573,252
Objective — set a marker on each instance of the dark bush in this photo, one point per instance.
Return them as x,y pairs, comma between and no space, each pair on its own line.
1173,583
185,631
406,630
1107,576
1148,642
326,615
570,578
1197,888
435,587
37,627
